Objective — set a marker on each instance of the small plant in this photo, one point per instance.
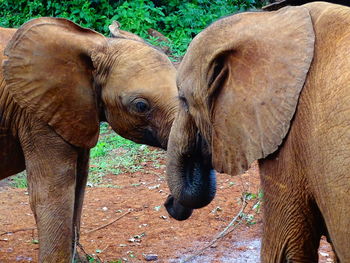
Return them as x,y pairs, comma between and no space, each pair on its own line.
248,218
19,180
257,206
34,241
257,198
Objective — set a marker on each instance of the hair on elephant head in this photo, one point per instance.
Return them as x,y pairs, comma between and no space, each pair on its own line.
254,84
73,78
116,32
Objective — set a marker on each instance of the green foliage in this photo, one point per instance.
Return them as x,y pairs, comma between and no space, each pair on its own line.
137,16
19,180
188,18
178,20
249,218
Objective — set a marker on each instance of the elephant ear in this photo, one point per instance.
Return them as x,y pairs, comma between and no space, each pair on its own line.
48,72
255,82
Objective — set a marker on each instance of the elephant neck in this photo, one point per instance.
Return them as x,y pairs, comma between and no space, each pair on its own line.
102,63
100,107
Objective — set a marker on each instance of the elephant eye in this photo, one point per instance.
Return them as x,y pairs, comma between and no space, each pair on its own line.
140,105
184,103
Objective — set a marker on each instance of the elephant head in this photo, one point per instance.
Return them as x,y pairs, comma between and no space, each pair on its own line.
239,84
72,78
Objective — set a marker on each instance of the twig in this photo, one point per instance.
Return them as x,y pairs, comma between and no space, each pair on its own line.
87,256
109,223
226,231
96,258
103,250
17,230
74,244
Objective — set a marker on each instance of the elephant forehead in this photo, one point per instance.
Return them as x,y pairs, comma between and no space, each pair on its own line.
134,53
143,78
141,62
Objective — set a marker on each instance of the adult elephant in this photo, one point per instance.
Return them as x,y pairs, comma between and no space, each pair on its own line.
273,87
59,82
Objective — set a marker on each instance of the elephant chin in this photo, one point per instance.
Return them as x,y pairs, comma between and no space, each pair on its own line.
150,138
176,210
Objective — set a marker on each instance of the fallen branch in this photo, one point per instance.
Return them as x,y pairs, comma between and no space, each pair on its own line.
109,223
17,230
225,231
86,255
228,229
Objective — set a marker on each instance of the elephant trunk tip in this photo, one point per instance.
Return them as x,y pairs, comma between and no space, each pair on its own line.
176,210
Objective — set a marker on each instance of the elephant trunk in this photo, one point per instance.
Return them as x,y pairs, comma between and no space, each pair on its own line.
190,176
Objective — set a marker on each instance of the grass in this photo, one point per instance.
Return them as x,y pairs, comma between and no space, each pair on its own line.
112,155
19,180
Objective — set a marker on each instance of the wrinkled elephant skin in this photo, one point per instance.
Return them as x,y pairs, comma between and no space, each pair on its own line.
274,87
58,82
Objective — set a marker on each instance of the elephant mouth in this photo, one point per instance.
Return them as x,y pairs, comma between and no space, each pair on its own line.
147,136
196,182
150,138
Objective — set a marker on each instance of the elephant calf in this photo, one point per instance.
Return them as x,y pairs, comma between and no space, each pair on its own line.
58,82
273,87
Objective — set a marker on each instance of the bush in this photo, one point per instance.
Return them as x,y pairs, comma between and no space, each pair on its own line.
178,20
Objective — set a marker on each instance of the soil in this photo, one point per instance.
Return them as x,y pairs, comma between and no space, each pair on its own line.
145,227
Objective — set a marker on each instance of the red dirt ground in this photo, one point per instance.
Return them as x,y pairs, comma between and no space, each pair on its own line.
147,228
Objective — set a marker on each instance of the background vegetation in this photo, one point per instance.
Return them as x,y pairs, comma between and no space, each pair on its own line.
178,20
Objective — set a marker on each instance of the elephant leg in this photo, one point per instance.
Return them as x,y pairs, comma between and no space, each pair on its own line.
81,180
332,193
293,223
51,168
290,234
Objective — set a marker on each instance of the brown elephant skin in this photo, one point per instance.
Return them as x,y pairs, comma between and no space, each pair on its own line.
58,82
273,87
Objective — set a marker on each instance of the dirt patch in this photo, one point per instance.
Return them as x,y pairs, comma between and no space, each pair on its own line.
147,228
